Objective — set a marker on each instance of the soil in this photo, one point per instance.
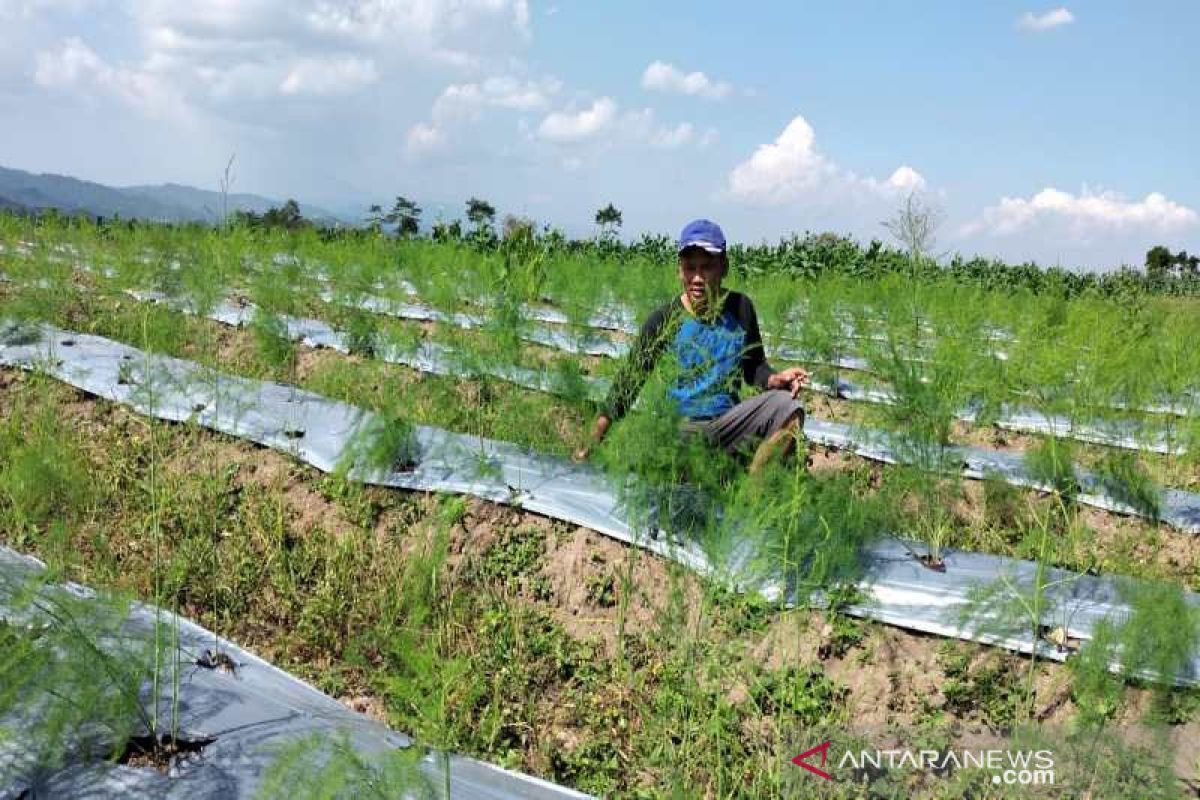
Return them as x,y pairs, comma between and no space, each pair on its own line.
828,459
163,753
306,509
573,557
368,706
991,437
311,360
1176,552
233,345
585,556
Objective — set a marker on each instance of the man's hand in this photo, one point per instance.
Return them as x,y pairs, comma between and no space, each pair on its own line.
602,423
793,380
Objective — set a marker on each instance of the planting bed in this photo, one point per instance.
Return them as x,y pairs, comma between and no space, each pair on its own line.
1178,508
237,724
559,592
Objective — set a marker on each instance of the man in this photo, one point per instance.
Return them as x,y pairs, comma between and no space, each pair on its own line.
713,335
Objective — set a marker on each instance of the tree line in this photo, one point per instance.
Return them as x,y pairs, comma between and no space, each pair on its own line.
807,255
812,255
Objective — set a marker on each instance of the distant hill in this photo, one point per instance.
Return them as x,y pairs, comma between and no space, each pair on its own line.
13,206
170,202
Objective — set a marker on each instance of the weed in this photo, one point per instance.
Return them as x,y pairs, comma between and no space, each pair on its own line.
804,695
989,687
841,631
42,475
353,497
602,590
320,767
516,553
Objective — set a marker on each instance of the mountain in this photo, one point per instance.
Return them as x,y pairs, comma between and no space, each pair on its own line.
169,202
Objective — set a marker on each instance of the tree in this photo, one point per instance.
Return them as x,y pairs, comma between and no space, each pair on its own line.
1188,265
447,231
914,225
406,216
375,218
1159,262
480,213
1162,265
518,228
286,216
609,219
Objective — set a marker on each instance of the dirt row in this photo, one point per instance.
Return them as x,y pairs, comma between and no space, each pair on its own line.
890,678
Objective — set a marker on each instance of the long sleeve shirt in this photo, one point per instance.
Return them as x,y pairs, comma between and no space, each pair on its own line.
715,356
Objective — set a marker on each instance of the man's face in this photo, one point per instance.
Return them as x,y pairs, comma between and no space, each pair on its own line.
701,273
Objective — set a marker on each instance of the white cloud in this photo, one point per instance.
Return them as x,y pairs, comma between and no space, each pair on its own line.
75,65
568,126
1046,20
451,31
225,59
663,77
906,179
671,138
423,138
72,61
508,92
784,169
28,9
466,102
323,76
1084,214
642,127
382,19
792,167
603,126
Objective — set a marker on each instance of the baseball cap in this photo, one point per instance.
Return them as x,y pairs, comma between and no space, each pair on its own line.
702,233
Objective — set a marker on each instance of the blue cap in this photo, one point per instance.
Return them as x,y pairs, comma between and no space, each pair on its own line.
702,233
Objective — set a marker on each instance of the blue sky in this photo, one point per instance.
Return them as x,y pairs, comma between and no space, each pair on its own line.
1062,134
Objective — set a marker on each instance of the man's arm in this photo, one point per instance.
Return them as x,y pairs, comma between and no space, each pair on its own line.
649,344
755,369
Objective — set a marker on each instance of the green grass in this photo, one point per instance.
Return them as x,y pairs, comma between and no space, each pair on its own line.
920,502
381,592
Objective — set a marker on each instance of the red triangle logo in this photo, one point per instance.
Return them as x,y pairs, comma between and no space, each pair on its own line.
823,749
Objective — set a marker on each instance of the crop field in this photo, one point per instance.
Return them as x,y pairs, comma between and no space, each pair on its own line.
987,536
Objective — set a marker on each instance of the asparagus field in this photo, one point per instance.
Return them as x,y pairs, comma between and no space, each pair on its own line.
350,454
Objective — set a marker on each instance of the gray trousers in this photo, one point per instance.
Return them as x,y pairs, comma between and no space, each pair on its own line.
750,421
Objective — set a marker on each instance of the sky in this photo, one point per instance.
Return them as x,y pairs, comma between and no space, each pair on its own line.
1060,134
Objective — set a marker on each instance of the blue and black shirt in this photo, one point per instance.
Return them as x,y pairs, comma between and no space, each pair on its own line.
715,356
